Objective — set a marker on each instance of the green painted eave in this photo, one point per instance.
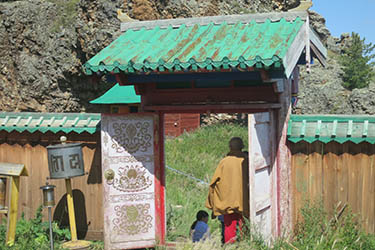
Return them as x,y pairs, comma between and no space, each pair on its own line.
328,128
208,46
49,122
118,95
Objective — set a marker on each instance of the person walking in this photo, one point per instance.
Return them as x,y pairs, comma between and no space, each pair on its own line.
229,190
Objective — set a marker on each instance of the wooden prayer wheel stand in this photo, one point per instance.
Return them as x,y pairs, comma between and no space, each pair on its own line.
65,162
10,172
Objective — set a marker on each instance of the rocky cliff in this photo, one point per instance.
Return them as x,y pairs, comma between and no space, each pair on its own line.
43,44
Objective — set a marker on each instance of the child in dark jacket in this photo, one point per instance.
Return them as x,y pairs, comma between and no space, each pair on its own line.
199,229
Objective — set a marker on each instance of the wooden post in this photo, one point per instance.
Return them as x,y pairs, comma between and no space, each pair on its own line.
72,217
13,209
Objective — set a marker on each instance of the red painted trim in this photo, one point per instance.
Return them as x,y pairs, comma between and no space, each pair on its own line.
122,79
160,227
218,108
202,111
162,177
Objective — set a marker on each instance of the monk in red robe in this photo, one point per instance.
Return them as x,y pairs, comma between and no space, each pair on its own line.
229,190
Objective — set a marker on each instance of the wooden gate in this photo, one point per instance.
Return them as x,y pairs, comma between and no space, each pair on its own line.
132,181
262,174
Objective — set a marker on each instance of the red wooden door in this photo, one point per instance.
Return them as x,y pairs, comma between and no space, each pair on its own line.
262,173
132,181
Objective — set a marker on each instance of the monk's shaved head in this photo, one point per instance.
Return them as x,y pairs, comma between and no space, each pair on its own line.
236,144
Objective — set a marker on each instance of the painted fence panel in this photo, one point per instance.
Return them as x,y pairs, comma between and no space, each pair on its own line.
337,175
87,189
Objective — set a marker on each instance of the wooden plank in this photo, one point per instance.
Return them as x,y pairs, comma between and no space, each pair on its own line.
342,159
371,204
360,161
294,52
307,42
13,209
299,164
70,202
318,54
329,177
28,186
353,198
315,168
306,176
366,199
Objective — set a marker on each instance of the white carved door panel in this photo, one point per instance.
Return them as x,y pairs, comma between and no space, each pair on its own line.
129,145
262,174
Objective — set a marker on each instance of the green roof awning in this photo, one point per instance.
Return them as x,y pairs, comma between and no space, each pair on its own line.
49,122
327,128
118,95
210,43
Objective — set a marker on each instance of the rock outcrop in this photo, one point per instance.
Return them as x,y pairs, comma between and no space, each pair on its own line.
321,90
44,43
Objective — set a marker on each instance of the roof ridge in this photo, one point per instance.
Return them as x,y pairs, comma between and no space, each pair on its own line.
206,20
49,122
38,114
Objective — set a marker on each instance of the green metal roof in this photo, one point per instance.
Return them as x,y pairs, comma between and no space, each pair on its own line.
211,43
118,94
50,122
327,128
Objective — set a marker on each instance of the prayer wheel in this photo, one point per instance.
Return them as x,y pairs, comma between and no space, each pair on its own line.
65,160
3,184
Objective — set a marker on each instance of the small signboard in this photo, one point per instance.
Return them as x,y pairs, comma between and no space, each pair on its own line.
12,169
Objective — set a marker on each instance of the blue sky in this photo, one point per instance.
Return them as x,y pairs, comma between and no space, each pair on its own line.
347,16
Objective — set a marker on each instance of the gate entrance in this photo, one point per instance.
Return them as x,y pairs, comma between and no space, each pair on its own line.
222,64
133,177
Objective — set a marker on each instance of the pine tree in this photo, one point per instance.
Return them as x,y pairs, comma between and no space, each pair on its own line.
358,63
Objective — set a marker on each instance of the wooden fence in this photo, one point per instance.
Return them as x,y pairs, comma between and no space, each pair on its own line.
335,173
30,149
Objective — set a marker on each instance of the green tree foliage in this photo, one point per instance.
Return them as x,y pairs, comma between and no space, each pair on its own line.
357,62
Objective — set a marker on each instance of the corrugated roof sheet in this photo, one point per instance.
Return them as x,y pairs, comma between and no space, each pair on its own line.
327,128
50,122
203,45
118,94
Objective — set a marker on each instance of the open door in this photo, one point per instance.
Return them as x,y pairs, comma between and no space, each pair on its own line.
262,173
133,187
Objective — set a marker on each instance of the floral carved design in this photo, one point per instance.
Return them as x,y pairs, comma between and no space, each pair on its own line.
131,197
132,219
131,179
132,137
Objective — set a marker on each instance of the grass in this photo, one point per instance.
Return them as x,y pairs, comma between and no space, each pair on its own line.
316,230
196,154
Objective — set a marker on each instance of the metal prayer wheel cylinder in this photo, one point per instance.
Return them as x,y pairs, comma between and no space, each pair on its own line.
48,195
65,160
3,184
